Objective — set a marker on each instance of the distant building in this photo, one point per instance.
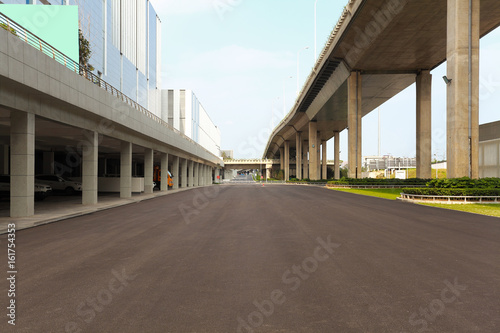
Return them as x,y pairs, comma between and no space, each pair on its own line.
489,150
388,162
182,109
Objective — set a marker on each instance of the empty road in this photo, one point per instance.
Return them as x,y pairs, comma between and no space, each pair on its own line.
248,258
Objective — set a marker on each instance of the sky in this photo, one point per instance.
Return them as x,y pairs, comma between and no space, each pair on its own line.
241,59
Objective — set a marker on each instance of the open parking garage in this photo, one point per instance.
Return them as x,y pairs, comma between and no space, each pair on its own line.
54,121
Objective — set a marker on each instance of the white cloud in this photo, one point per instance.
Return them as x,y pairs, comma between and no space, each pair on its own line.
169,7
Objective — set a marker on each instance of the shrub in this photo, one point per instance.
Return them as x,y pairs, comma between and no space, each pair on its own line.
453,191
379,182
465,182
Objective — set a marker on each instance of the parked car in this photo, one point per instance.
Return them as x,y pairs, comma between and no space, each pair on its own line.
41,190
59,183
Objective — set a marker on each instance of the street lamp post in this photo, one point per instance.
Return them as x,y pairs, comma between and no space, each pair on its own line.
298,66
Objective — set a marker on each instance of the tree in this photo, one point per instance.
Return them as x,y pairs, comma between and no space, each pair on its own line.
85,52
6,27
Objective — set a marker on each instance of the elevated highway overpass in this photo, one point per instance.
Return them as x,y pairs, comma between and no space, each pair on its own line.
377,49
266,166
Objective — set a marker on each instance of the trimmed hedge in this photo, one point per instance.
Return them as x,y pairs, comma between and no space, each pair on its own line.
453,191
465,183
379,182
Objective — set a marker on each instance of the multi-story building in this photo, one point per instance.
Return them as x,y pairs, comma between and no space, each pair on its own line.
125,39
182,109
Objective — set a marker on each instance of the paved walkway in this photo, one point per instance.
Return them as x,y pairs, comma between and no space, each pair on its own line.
57,208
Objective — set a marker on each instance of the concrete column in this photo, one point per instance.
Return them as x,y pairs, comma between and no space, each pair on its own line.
305,159
200,174
337,154
164,172
287,160
268,173
175,172
126,170
354,124
4,159
90,163
48,162
184,173
282,158
324,173
313,150
463,100
210,175
22,164
424,130
196,174
298,158
191,174
148,170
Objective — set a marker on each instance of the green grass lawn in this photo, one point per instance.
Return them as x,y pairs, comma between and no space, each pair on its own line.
490,210
386,193
392,194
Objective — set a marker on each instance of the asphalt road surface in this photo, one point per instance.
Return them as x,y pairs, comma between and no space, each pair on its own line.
258,259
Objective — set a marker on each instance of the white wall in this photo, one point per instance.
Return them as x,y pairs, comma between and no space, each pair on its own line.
489,158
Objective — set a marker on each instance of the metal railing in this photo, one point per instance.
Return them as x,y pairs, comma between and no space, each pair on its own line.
449,198
41,45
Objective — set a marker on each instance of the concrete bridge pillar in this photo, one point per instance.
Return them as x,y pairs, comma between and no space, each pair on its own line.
462,96
354,124
22,164
148,170
282,158
298,158
175,172
287,160
313,150
89,169
164,172
318,155
305,160
324,173
126,170
424,130
337,154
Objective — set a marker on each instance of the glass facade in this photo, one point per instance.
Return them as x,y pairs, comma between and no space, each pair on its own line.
125,42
